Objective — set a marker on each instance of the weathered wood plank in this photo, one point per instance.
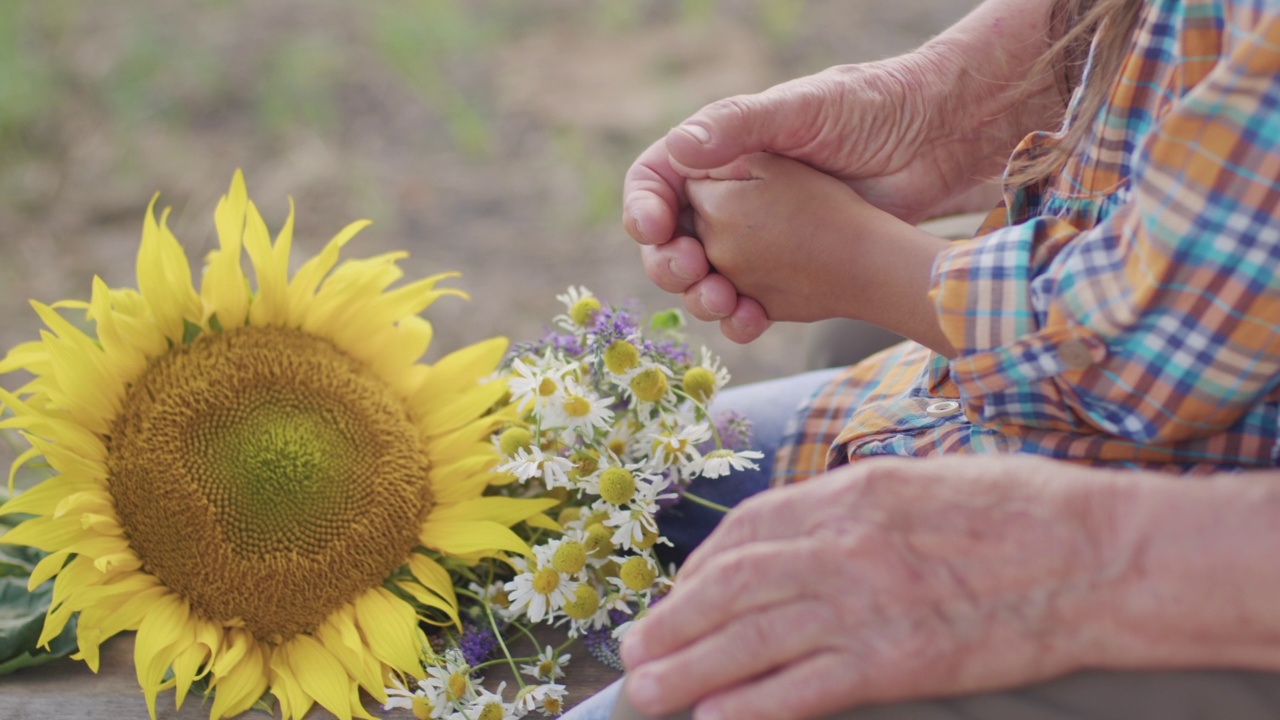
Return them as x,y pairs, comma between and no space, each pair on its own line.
67,689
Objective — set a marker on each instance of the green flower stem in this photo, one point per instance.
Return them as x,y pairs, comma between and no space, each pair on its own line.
527,633
502,643
702,412
704,502
565,646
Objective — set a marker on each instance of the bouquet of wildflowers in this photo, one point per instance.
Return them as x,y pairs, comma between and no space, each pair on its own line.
611,419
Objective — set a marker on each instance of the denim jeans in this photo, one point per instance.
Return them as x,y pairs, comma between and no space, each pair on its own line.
770,406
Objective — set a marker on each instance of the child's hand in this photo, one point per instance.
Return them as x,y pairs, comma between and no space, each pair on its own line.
806,247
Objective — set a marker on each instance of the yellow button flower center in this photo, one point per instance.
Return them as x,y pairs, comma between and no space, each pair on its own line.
621,357
584,604
699,384
577,406
637,573
584,310
617,485
545,581
649,385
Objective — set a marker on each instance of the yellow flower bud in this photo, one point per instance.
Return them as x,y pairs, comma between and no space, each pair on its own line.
699,384
649,385
513,439
637,573
621,356
617,485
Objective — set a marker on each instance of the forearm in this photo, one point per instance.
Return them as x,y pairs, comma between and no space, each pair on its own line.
1194,580
894,294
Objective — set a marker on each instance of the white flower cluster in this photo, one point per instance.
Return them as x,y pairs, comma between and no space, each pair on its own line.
614,425
452,691
617,425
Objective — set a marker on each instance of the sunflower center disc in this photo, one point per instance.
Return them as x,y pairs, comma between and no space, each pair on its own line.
266,476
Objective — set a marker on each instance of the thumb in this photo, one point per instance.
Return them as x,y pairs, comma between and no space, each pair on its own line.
780,119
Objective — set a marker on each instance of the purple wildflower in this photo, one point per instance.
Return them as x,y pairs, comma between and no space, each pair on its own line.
734,429
477,643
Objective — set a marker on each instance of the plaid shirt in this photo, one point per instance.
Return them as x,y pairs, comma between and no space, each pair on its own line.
1124,312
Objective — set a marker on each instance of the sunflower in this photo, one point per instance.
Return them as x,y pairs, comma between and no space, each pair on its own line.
263,483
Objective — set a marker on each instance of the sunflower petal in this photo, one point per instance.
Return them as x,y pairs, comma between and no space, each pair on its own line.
464,537
504,510
319,674
390,626
459,370
339,635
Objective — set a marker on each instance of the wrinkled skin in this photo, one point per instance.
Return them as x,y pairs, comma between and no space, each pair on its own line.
875,127
884,580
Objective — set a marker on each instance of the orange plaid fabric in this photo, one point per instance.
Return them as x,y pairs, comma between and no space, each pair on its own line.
1125,311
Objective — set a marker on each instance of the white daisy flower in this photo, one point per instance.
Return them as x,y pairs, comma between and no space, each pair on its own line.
620,483
678,448
632,526
649,388
636,520
719,463
540,592
580,306
701,382
549,667
530,462
451,681
620,439
579,410
533,386
426,700
601,618
547,698
490,706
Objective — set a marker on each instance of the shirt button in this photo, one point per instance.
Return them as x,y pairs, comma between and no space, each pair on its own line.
1074,355
943,408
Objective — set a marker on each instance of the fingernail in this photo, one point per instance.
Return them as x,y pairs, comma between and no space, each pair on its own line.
702,298
678,271
697,132
643,690
632,650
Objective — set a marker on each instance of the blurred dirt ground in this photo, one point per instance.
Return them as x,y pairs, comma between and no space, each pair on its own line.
486,136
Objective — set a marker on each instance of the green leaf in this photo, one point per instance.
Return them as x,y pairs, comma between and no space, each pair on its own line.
21,612
21,620
667,320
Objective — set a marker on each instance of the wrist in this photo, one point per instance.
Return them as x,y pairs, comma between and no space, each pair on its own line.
1186,575
899,268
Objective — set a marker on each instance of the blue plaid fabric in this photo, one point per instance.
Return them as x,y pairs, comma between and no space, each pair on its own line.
1125,311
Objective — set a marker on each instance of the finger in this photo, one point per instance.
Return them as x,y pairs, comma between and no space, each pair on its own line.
812,687
782,119
676,265
711,298
747,322
733,584
743,649
781,513
755,166
652,196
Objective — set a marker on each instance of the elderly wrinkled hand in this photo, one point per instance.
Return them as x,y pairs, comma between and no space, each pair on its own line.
884,580
835,122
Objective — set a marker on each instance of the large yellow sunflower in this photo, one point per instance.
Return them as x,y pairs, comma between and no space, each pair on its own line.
257,481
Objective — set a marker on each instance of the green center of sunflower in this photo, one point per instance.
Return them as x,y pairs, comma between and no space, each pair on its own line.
266,476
